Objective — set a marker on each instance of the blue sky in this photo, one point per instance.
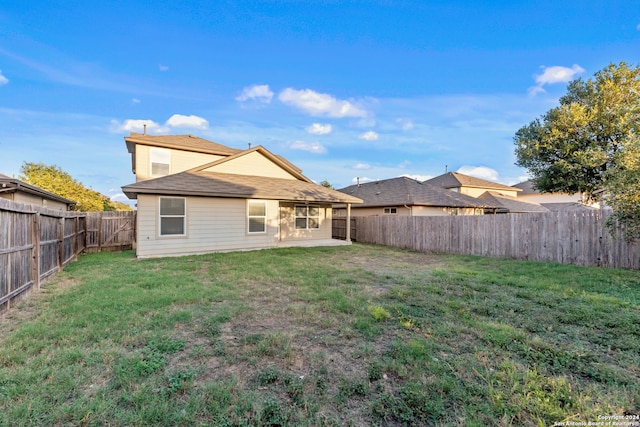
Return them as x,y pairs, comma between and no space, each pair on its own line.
343,89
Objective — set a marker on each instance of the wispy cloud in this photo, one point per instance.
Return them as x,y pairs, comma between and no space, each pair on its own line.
135,101
361,166
405,124
313,147
163,67
259,93
320,104
174,122
369,136
319,129
554,74
3,79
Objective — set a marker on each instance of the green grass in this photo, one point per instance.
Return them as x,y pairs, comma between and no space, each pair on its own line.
360,335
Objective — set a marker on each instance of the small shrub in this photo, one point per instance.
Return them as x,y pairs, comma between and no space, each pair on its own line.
378,313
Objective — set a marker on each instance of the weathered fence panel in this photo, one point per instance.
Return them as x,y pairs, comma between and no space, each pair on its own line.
110,231
36,243
566,237
339,228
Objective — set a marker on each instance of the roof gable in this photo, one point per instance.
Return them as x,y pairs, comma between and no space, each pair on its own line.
256,161
457,180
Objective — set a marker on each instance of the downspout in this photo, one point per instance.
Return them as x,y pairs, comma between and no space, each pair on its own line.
410,210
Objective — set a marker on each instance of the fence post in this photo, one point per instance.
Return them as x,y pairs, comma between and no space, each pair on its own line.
35,251
60,244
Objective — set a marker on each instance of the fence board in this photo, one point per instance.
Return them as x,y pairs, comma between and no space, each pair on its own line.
37,242
566,237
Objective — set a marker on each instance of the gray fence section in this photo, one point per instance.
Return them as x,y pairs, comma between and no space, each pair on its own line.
564,237
36,243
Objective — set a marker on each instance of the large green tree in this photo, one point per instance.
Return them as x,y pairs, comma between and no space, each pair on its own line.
55,180
590,144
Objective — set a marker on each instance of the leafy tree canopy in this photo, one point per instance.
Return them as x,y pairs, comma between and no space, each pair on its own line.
590,144
55,180
327,184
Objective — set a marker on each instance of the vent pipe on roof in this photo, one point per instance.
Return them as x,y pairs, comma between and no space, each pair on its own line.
358,180
446,168
144,131
249,146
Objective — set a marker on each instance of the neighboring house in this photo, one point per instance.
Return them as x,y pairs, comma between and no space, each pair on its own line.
405,196
208,198
552,201
21,192
503,197
470,185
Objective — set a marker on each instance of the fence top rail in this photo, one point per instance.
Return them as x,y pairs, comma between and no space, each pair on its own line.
11,206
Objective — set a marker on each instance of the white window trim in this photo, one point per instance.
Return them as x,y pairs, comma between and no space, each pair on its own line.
295,217
160,216
384,210
161,152
265,216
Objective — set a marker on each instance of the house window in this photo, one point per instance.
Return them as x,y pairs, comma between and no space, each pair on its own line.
173,213
390,211
454,211
307,217
257,214
160,161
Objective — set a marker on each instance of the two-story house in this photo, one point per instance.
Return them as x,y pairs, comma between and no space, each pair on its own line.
196,196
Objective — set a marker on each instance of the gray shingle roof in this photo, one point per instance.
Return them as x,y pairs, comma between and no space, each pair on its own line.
214,184
180,142
13,184
406,191
511,204
455,180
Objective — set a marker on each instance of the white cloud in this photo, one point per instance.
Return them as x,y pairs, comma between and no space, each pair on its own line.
163,67
175,121
3,79
192,122
405,124
369,136
555,74
319,129
314,147
119,197
638,27
131,125
361,166
135,101
260,93
361,180
320,104
418,177
482,172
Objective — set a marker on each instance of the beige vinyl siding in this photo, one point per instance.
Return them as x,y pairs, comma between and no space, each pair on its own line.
288,231
476,192
550,198
180,161
252,164
32,199
212,224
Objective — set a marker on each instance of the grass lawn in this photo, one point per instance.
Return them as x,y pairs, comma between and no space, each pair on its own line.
360,335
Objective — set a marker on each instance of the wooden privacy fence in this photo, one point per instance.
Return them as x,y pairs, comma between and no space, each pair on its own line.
339,228
37,242
564,237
